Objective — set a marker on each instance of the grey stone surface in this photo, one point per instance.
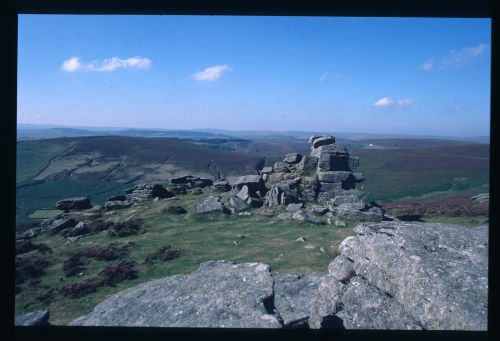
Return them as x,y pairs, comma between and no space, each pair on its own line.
221,186
302,215
210,204
333,176
272,197
58,225
292,158
285,216
217,295
266,170
116,204
244,193
34,318
346,199
482,198
307,165
329,186
322,140
281,167
145,191
294,207
253,181
77,203
408,276
293,296
237,204
80,229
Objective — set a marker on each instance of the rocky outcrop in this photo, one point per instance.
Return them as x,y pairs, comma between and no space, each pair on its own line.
147,191
406,276
481,198
34,318
218,294
77,203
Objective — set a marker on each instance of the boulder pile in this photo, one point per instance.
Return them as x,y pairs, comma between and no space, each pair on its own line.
325,180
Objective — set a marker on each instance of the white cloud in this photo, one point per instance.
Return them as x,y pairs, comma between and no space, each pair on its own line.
71,64
109,64
455,58
323,77
404,102
211,73
384,102
456,108
389,102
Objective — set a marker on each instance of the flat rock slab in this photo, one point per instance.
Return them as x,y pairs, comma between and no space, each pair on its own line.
293,295
217,295
34,318
401,275
77,203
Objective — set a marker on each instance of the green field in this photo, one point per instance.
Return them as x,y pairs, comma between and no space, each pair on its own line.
266,239
44,214
44,195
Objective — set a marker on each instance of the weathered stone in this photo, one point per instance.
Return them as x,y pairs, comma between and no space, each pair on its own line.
294,207
408,276
266,170
318,210
323,140
58,225
293,295
281,167
210,204
292,158
254,202
341,268
221,186
307,165
309,195
237,204
346,199
80,229
77,203
272,197
358,177
116,204
333,176
147,191
117,198
302,215
290,197
353,163
34,318
329,186
254,182
285,216
217,295
244,193
481,198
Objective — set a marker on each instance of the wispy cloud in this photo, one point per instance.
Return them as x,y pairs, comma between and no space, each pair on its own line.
339,76
455,58
109,64
211,73
389,102
456,108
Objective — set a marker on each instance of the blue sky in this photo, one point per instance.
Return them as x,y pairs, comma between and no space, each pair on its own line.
369,75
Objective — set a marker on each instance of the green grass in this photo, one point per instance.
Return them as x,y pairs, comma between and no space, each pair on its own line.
44,214
201,239
33,156
44,195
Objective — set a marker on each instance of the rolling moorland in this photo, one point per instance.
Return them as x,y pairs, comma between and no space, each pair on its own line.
427,179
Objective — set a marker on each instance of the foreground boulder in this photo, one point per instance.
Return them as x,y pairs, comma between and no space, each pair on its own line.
406,276
293,295
77,203
34,318
218,294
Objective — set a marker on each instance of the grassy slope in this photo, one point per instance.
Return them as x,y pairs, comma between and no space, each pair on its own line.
439,171
267,239
33,156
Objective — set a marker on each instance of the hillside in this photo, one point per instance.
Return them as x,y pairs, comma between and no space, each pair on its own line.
51,169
